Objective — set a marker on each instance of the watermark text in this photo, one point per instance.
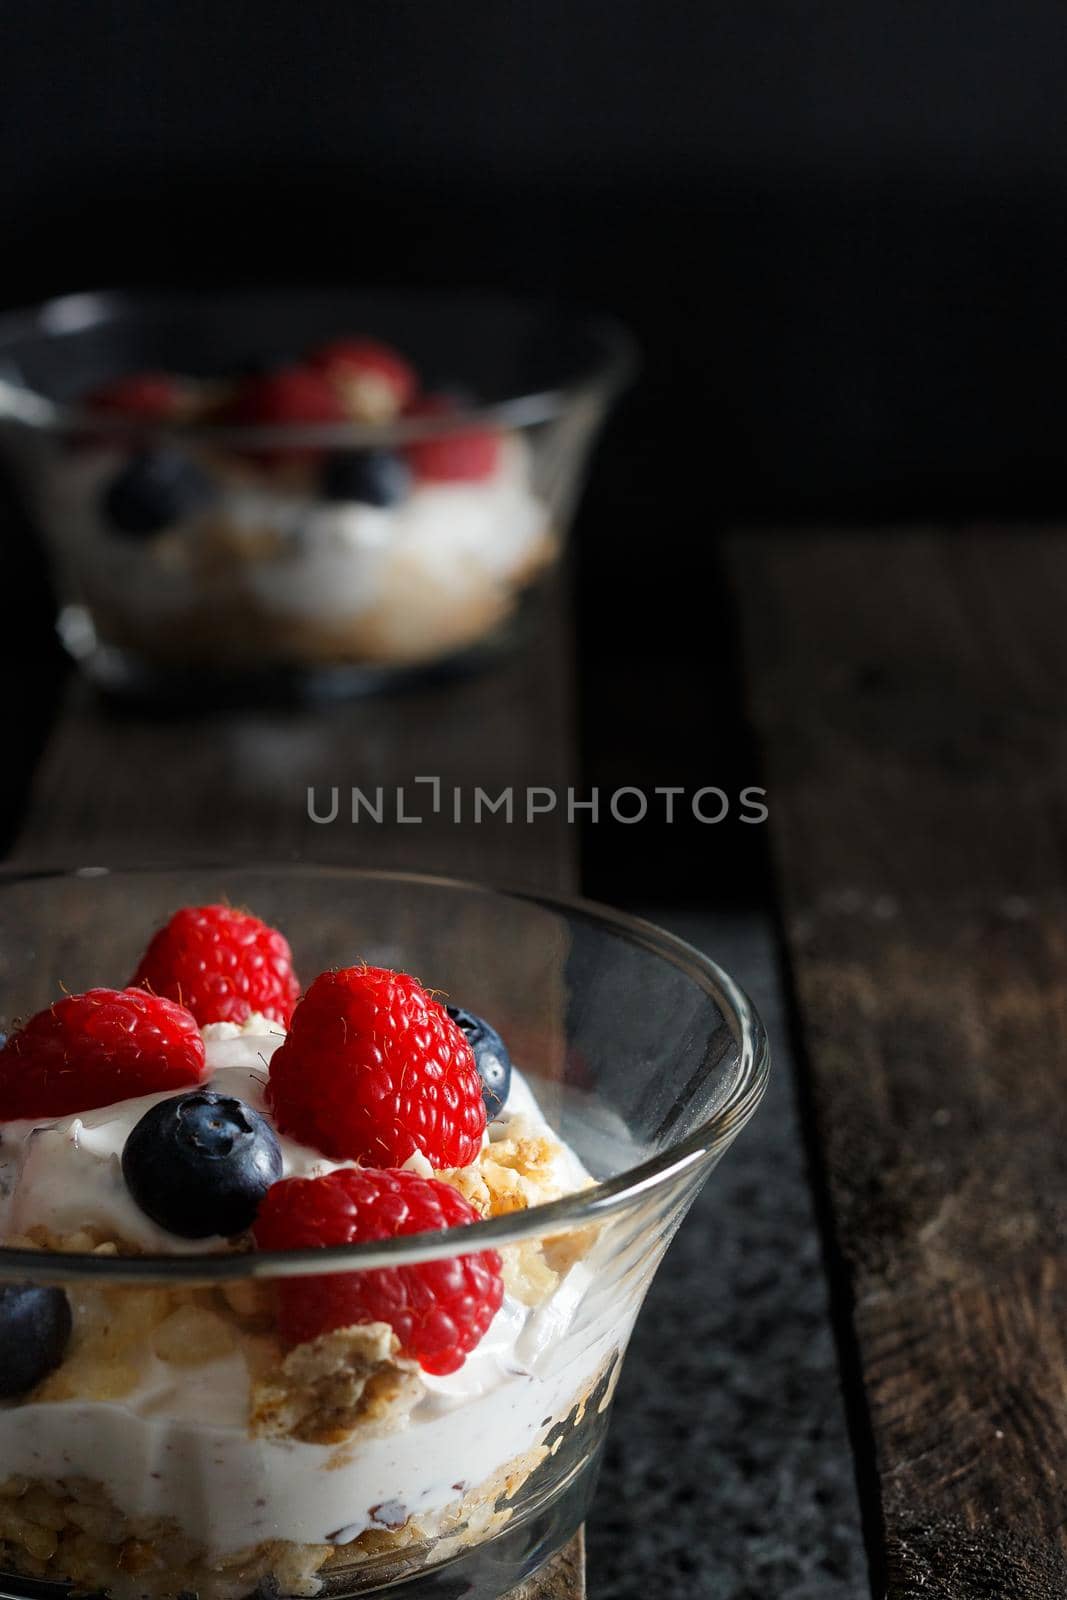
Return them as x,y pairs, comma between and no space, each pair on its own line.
409,804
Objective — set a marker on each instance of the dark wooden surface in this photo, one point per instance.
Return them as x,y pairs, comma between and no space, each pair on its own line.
910,697
115,786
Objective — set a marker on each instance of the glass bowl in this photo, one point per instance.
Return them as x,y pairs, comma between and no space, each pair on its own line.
200,550
137,1467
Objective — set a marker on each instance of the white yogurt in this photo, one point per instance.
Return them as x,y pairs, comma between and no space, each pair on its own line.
178,1445
347,558
68,1174
328,563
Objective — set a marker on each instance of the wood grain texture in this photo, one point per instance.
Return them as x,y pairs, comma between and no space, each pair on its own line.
117,787
909,691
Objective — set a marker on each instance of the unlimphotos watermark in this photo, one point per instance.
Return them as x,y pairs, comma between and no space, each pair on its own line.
403,803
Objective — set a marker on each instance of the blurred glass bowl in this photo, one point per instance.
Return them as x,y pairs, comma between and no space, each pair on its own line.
202,551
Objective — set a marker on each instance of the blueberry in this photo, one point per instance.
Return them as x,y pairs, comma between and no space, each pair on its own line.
153,491
490,1057
35,1325
201,1163
371,477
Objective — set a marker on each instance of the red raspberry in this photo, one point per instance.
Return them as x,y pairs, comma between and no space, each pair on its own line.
95,1048
466,457
222,965
287,397
150,396
375,1069
374,382
439,1310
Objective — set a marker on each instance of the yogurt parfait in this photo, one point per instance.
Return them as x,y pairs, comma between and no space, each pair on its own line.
210,1439
245,494
315,1280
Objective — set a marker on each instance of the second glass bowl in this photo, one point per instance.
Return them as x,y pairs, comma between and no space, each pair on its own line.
207,541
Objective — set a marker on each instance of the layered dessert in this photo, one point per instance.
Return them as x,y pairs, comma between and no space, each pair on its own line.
191,543
273,1432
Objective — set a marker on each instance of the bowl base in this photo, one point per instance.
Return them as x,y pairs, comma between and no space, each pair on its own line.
125,675
492,1570
496,1568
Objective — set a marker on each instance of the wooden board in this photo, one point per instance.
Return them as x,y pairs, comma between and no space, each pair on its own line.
116,786
909,691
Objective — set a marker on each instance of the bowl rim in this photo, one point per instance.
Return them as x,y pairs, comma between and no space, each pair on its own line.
68,313
697,1149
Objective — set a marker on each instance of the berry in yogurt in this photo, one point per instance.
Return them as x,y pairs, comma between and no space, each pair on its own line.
491,1057
318,511
88,1050
379,478
290,395
201,1164
222,964
374,382
154,490
375,1070
35,1324
438,1310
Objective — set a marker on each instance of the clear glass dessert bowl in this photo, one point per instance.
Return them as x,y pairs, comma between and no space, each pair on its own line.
276,492
164,1437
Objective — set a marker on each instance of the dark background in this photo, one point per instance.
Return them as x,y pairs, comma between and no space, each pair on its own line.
837,230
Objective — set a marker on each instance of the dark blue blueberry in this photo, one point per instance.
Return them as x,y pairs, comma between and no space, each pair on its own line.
34,1328
201,1163
153,491
371,477
490,1057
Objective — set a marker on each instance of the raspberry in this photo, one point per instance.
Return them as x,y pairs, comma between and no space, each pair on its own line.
152,396
222,965
289,396
439,1310
95,1048
375,1069
374,382
466,457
